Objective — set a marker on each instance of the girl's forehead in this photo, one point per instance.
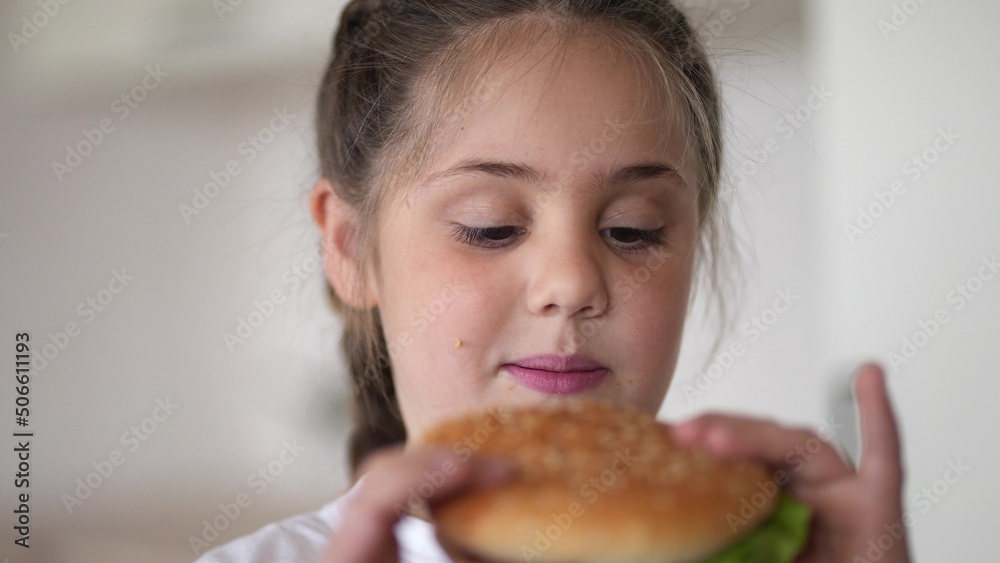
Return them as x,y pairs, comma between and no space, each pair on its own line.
542,140
561,105
586,71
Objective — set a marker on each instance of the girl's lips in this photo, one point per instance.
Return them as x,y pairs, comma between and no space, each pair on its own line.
556,383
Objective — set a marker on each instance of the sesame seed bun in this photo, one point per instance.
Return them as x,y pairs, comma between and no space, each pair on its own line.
595,482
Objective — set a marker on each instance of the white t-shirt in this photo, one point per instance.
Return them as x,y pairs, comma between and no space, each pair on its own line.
304,537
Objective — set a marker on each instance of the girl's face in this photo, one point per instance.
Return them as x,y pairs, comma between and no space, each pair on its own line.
556,221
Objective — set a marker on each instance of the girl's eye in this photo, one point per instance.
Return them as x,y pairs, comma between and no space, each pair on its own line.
635,240
626,238
489,237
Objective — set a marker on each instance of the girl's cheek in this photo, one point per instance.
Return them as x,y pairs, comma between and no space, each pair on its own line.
454,305
657,301
472,318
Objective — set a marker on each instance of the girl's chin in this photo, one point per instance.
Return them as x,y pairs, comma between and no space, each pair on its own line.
522,396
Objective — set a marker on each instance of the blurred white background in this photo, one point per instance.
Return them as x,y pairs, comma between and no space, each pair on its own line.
830,102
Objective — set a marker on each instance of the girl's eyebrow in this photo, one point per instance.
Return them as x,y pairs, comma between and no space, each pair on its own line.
523,173
650,170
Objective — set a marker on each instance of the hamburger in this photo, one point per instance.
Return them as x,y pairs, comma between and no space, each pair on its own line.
599,482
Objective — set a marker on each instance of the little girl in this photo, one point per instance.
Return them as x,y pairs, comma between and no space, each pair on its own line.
516,197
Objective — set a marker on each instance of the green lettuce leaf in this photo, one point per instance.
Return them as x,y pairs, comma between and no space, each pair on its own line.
778,540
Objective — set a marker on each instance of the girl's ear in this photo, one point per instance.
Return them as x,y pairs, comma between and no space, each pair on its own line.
338,226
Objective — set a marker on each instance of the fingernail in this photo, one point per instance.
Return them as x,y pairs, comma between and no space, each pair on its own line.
873,365
496,470
440,457
686,432
719,440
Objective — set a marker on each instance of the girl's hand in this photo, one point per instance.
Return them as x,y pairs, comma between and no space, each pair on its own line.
392,476
856,513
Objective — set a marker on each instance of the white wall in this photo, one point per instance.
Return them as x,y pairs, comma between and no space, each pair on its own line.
895,92
163,335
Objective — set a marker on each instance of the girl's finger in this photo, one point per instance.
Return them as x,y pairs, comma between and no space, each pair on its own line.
800,453
880,457
394,485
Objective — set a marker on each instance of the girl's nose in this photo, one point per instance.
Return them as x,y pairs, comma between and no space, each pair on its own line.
567,279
